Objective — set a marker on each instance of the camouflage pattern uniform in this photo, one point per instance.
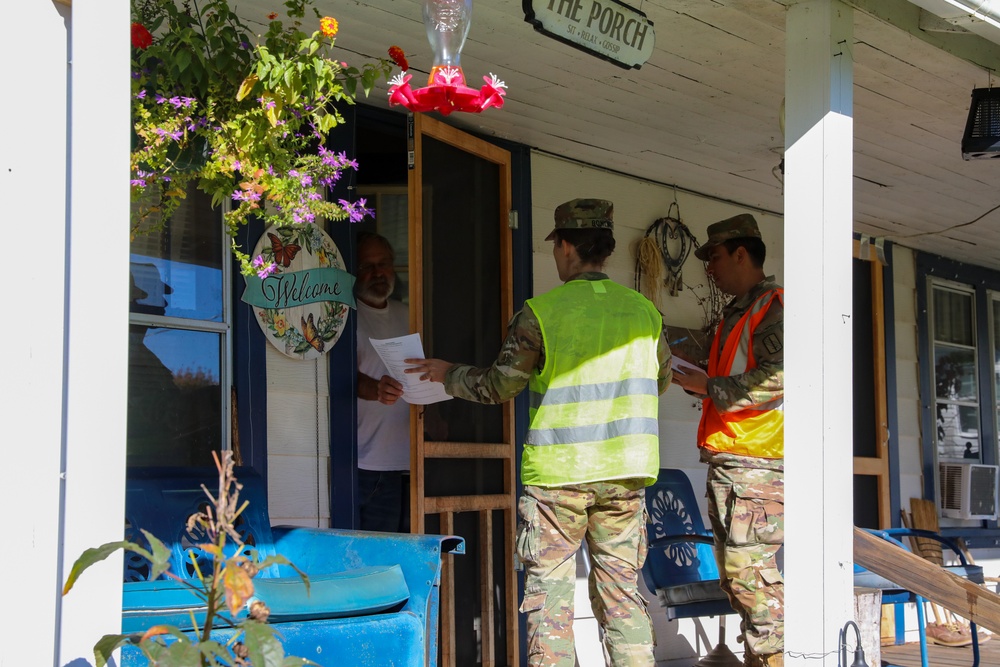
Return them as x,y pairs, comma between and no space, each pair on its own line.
554,521
746,494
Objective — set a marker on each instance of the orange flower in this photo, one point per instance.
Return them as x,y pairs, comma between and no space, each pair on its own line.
328,26
399,58
272,16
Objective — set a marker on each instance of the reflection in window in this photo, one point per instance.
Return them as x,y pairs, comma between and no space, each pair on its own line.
174,394
178,375
956,385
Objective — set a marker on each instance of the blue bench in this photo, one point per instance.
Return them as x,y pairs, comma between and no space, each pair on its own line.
373,597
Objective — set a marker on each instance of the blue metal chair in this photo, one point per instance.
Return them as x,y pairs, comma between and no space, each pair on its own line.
373,597
893,593
680,566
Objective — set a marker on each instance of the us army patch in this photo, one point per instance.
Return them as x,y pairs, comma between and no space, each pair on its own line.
772,343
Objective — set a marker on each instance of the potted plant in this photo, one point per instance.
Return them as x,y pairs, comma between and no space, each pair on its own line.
243,116
223,586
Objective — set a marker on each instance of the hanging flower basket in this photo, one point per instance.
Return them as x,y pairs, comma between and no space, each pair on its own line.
242,116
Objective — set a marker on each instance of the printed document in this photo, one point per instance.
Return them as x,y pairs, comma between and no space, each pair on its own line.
415,391
685,367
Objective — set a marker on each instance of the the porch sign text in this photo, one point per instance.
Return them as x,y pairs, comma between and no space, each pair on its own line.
608,29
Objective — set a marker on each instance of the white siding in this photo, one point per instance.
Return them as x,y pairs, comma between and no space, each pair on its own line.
298,442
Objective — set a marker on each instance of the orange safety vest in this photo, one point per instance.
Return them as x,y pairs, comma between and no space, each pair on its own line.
759,430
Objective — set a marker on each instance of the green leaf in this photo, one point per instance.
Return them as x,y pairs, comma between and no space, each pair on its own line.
215,652
160,557
262,645
351,85
246,87
97,554
107,645
181,653
182,59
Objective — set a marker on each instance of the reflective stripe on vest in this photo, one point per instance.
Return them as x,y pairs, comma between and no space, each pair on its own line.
593,407
757,430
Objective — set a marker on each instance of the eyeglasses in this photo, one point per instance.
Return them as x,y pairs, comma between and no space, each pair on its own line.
380,266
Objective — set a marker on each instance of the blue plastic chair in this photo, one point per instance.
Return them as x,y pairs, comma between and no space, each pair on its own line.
893,593
680,566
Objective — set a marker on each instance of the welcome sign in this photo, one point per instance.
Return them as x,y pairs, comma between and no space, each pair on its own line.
287,290
302,307
608,29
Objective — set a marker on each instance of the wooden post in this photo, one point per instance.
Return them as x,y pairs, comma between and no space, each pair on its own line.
868,616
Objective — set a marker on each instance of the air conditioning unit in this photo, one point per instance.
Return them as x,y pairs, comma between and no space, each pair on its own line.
968,490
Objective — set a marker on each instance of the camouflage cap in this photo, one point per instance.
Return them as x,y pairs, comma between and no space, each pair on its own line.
583,214
737,227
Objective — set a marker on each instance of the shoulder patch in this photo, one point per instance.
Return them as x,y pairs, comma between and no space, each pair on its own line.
772,343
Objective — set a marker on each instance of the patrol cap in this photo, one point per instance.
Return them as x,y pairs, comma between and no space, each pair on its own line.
583,214
740,226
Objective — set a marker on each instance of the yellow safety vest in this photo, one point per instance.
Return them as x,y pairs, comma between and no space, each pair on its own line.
759,430
593,407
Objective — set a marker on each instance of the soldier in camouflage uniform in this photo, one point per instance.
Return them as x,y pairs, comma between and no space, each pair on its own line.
741,434
594,359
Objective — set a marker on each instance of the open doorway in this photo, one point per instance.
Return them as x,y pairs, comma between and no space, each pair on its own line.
442,201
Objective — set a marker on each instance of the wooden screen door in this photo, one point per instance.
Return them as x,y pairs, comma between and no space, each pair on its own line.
462,462
871,429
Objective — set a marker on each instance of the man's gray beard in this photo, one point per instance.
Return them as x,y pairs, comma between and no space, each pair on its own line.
372,294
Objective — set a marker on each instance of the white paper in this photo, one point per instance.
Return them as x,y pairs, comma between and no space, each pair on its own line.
415,391
686,367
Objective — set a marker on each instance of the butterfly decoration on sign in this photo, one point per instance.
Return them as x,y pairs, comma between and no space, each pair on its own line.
283,254
310,334
305,331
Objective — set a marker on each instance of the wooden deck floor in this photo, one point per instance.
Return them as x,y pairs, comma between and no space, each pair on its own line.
908,655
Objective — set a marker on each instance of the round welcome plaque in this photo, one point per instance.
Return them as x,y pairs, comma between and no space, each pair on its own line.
301,307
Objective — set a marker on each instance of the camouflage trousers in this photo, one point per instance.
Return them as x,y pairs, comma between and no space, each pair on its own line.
553,523
747,509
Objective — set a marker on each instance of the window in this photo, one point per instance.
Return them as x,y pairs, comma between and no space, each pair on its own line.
956,386
179,343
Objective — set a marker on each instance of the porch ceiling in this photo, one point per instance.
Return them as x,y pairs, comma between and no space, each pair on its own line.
703,112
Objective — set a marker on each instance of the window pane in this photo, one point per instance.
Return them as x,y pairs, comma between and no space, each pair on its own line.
957,431
955,373
174,396
178,271
953,317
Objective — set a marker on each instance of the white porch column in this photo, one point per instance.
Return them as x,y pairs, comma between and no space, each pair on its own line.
818,404
96,322
33,187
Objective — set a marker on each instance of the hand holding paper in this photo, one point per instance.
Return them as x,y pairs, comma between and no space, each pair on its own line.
394,352
692,378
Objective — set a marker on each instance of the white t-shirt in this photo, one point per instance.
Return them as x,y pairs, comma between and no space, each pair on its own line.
383,430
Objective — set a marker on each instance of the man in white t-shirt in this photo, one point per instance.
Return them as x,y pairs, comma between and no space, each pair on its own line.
383,420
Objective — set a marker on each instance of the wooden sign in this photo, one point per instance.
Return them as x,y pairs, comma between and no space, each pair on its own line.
608,29
301,307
